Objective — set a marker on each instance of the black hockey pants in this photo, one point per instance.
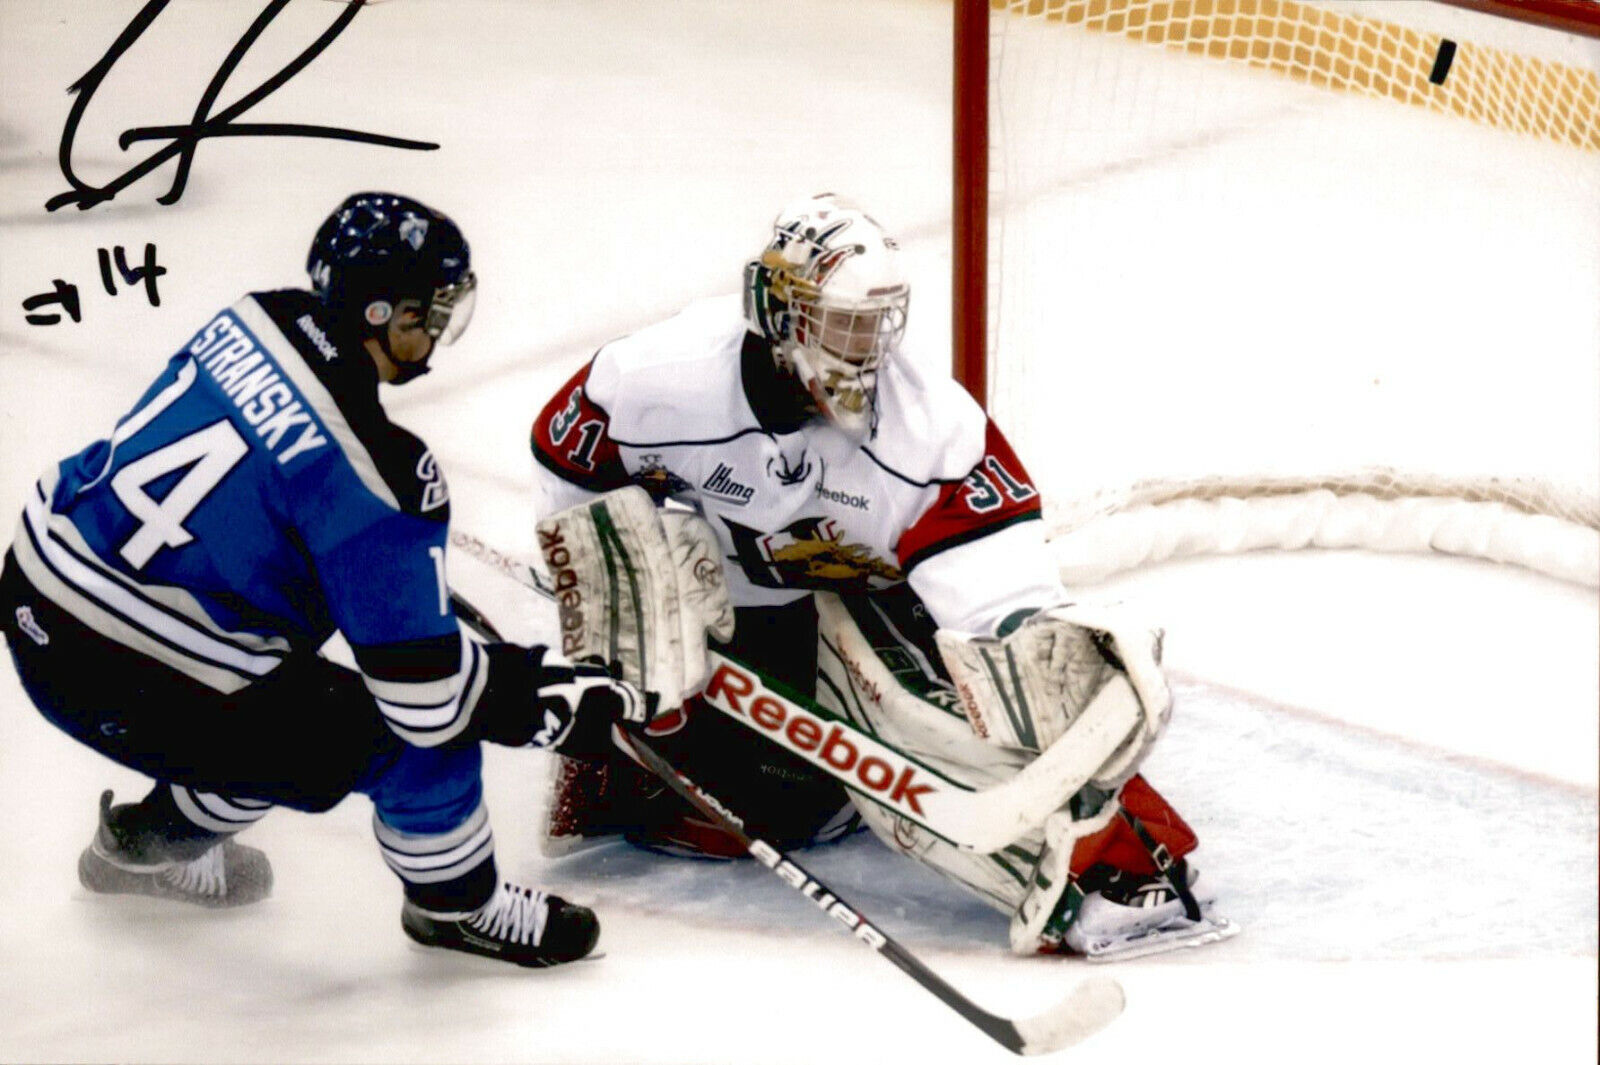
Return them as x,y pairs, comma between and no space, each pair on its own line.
304,737
782,797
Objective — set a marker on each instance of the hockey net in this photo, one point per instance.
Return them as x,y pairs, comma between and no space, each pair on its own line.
1272,274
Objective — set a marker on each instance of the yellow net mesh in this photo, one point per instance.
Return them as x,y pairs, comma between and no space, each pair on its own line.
1352,53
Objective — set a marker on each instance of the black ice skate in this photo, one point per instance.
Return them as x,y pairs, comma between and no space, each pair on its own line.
124,860
517,924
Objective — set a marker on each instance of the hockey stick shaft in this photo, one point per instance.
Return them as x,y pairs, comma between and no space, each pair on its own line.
1092,1005
1095,1003
983,820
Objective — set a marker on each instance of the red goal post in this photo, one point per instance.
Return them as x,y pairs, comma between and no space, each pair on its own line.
1336,85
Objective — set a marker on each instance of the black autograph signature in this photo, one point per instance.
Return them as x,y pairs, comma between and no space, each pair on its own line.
183,140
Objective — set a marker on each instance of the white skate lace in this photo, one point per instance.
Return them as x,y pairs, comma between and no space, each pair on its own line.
206,875
514,914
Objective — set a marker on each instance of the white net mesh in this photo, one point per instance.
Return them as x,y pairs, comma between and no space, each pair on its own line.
1247,249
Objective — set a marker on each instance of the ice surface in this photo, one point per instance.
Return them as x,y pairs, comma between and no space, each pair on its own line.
1391,762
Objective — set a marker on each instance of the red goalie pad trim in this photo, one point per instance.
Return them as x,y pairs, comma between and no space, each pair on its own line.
1117,845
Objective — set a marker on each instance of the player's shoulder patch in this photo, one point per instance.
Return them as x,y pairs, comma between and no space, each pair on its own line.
414,475
349,376
302,319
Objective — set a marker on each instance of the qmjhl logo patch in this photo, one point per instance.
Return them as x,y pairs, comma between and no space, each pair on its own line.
722,485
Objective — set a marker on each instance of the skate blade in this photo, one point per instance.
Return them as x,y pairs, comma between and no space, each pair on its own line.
1162,940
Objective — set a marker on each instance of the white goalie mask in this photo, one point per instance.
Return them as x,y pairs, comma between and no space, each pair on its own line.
828,292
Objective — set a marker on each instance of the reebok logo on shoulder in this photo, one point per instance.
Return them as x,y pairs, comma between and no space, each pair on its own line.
318,338
30,625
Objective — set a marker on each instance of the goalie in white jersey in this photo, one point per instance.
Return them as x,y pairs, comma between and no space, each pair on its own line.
824,462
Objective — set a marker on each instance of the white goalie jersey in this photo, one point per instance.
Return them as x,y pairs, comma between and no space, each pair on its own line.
933,496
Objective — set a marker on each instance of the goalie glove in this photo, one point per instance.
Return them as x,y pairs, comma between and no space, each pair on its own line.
1026,688
640,587
568,707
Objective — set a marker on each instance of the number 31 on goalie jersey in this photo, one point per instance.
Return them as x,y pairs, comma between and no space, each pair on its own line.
569,437
991,486
998,483
996,493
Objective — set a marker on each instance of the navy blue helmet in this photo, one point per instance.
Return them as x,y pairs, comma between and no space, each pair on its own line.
379,250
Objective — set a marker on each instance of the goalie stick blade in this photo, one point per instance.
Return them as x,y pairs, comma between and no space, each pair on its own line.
1091,1006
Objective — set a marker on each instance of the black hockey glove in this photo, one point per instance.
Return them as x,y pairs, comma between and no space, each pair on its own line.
571,707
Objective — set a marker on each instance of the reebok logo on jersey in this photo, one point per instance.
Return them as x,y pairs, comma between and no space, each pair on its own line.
318,338
247,376
844,499
722,485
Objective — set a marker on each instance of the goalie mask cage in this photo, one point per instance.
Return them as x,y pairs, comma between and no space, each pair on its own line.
1239,274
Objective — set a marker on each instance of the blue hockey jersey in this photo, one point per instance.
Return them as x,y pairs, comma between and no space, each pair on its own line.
256,499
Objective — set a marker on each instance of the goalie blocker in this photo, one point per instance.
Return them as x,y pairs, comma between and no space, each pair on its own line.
1097,875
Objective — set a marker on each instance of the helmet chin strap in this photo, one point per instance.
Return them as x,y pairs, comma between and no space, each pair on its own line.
410,371
403,371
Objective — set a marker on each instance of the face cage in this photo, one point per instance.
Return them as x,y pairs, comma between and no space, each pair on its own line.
838,352
450,310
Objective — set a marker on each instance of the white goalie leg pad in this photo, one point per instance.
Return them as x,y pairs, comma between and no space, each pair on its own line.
999,879
1040,907
915,711
1027,688
636,590
704,605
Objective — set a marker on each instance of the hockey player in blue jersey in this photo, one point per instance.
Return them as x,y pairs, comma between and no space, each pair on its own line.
168,589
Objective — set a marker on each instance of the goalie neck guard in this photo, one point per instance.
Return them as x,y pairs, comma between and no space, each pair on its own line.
829,294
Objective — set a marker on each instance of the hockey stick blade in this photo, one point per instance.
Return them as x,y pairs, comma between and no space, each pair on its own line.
1093,1004
978,819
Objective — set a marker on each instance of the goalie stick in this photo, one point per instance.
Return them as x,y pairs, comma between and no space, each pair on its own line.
983,819
1090,1006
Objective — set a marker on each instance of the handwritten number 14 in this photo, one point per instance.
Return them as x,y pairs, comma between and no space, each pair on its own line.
146,273
65,294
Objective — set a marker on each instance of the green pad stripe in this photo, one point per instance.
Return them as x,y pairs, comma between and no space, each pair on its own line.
620,565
